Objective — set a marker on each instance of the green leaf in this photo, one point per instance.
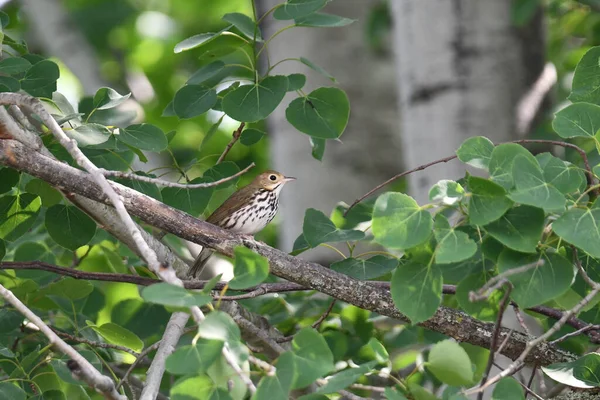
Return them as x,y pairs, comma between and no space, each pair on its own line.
70,288
319,229
312,356
193,100
399,222
345,378
446,192
519,229
205,73
69,226
10,391
564,176
323,20
192,201
580,227
220,326
89,134
192,388
488,201
278,386
251,136
220,171
501,163
40,79
579,119
194,359
14,65
116,334
2,249
8,84
531,188
318,147
508,389
363,270
144,137
9,178
250,103
539,284
296,82
171,295
245,24
391,394
323,113
249,268
452,245
47,193
586,79
106,98
484,310
416,289
450,363
17,215
301,8
211,132
226,42
582,373
317,68
149,189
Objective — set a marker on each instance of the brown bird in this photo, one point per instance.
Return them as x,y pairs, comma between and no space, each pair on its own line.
247,211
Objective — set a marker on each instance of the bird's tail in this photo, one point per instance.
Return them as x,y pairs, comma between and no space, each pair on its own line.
201,261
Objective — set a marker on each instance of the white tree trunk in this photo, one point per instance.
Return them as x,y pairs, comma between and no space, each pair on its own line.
370,150
461,69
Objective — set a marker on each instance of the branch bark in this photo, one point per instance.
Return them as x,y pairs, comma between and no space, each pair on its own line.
450,322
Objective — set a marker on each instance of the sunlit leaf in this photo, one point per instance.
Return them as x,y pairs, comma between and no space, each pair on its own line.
450,363
171,295
106,98
582,373
508,389
89,134
18,214
446,192
249,268
312,356
116,334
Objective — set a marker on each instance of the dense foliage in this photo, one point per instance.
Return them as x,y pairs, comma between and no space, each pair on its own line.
528,232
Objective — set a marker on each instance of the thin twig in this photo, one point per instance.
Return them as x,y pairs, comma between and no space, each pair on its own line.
161,182
139,359
495,335
581,270
520,319
576,333
526,388
236,135
588,169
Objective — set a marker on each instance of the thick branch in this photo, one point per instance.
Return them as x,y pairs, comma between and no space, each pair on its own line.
448,321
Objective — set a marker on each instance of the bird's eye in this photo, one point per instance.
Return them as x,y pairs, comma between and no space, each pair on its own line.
273,177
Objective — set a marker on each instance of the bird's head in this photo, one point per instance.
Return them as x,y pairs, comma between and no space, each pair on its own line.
272,180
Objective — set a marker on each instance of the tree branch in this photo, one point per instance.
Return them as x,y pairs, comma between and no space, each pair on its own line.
448,321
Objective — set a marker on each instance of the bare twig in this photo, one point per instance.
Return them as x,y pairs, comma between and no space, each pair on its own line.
495,335
139,359
161,182
576,333
236,135
581,270
78,365
92,343
520,318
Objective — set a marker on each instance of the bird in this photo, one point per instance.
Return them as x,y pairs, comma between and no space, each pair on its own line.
247,211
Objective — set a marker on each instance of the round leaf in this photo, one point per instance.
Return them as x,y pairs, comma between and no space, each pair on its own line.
312,355
17,215
579,119
363,270
14,65
193,100
251,136
40,79
89,134
249,268
450,363
519,229
106,98
501,163
538,284
416,289
323,113
446,192
476,151
250,103
144,137
508,389
582,373
206,72
245,24
586,79
8,179
171,295
296,82
453,245
301,8
47,193
69,226
488,201
580,227
399,222
531,187
319,229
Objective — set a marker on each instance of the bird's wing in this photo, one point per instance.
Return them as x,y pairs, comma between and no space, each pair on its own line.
236,201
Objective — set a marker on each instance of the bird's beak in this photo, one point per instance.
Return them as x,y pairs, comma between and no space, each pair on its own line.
289,179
